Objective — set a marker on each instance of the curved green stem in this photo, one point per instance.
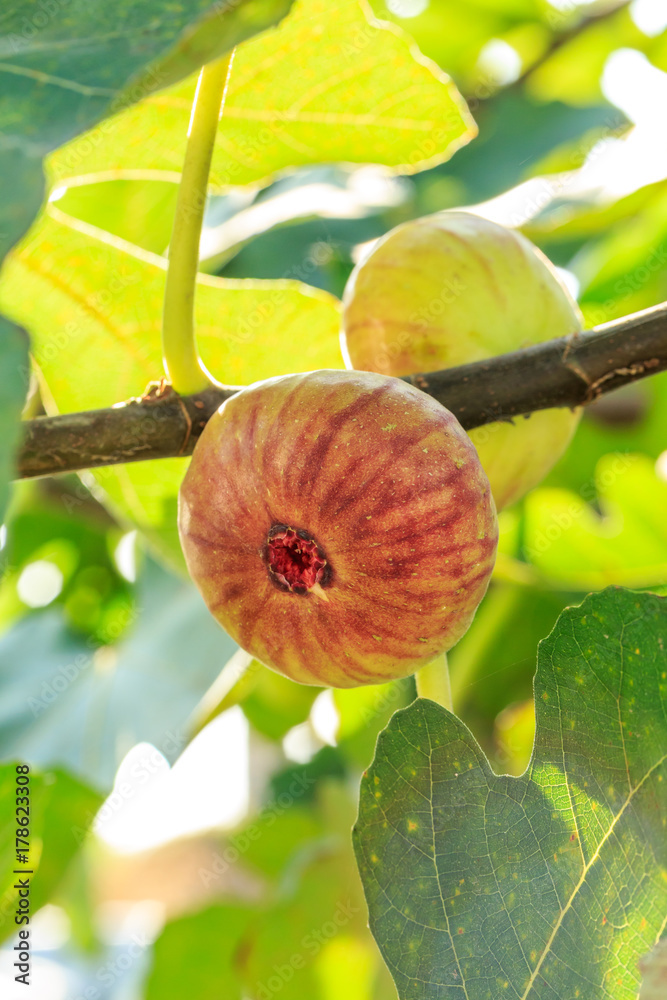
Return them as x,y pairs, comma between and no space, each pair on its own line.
182,364
433,682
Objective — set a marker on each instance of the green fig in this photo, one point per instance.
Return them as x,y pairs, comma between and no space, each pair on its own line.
452,288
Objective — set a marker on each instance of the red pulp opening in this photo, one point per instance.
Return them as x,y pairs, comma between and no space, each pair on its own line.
295,560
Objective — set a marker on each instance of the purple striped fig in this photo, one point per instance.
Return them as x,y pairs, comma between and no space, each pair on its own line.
453,288
339,526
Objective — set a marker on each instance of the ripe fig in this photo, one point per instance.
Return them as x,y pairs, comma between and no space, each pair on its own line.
339,526
452,288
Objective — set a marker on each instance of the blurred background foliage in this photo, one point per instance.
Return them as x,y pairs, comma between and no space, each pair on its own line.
219,862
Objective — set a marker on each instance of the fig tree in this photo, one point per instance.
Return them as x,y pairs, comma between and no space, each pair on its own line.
452,288
339,526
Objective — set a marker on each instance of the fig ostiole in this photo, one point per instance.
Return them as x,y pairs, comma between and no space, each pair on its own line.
453,288
339,526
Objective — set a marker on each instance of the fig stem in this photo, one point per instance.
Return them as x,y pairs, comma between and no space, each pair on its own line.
433,682
182,363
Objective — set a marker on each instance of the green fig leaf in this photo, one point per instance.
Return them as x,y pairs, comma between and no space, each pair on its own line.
303,936
623,270
214,934
552,884
590,218
363,92
93,306
67,63
276,704
84,708
327,930
61,810
222,27
574,546
14,373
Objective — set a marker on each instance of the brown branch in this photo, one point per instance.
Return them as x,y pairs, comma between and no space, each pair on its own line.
487,91
570,33
570,371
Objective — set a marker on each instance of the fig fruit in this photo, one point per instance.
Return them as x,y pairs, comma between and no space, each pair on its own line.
339,526
452,288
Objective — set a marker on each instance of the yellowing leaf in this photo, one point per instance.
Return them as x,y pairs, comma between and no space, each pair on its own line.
92,304
329,84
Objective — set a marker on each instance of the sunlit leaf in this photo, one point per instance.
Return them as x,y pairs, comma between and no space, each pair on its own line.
222,27
545,885
573,72
141,212
363,93
574,546
93,305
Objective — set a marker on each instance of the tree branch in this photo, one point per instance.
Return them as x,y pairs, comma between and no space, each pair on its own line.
559,39
570,33
570,371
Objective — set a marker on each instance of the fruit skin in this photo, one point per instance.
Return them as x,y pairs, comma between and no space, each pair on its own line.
452,288
388,491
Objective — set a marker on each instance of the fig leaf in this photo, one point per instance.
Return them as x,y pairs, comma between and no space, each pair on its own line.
105,343
364,92
65,65
552,884
142,688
